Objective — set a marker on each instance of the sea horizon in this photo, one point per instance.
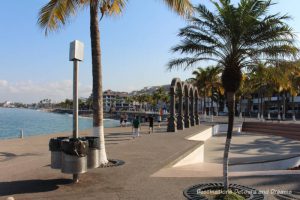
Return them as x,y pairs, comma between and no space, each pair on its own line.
37,122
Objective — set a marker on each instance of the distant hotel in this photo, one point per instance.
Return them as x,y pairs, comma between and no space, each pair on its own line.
116,101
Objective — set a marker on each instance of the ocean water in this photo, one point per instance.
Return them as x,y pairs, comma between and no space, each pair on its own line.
34,122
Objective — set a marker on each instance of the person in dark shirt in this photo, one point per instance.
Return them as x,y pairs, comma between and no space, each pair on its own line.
150,124
136,127
121,120
125,119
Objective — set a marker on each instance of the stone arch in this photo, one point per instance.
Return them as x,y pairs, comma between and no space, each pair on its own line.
196,97
186,92
192,106
175,121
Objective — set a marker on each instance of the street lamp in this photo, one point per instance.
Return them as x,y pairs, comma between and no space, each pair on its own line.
76,55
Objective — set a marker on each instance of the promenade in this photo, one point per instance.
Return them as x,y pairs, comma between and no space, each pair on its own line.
25,171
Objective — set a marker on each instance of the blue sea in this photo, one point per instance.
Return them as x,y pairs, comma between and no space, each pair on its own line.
34,122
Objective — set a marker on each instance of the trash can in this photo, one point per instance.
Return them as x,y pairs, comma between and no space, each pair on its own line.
74,156
56,152
93,154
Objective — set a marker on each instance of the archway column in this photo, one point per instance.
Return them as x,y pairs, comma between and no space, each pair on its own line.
192,111
197,119
172,127
180,122
187,123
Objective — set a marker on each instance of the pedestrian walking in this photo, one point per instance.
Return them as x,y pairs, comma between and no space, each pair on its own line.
136,125
125,119
150,124
121,120
159,120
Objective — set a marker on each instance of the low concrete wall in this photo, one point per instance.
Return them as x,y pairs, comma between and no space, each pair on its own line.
222,128
202,136
196,156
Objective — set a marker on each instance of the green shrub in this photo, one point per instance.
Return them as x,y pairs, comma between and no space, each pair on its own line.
229,196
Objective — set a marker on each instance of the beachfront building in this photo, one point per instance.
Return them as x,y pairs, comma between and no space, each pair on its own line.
271,105
115,101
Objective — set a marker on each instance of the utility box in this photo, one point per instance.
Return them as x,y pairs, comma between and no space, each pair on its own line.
76,50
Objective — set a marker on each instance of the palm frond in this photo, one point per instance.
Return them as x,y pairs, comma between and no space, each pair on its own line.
56,13
182,7
112,7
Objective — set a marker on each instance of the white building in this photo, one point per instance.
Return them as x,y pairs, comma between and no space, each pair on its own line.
114,101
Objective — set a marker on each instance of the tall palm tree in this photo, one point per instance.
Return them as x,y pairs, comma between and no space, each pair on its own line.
56,13
244,91
291,78
260,76
200,81
235,36
280,80
208,82
158,95
214,83
295,85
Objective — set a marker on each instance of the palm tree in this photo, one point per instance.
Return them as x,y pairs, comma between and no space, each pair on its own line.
291,79
56,13
295,85
157,95
280,80
208,82
260,76
235,36
214,83
244,91
200,80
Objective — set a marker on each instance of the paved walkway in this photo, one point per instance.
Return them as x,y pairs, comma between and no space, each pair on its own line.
25,171
245,149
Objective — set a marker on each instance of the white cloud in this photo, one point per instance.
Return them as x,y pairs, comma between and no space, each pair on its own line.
3,83
28,91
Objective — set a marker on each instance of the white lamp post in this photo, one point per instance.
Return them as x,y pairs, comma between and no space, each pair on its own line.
76,55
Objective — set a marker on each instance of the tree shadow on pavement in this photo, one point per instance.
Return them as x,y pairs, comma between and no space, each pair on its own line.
5,156
268,145
31,186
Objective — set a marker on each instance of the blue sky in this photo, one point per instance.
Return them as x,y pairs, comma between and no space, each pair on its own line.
135,49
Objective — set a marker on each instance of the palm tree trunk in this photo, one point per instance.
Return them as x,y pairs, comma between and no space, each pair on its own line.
249,107
268,107
218,105
278,105
201,104
231,103
293,105
284,106
212,103
204,105
240,109
262,107
98,128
